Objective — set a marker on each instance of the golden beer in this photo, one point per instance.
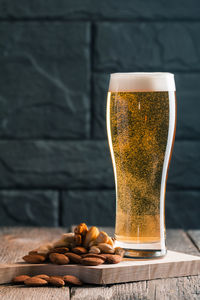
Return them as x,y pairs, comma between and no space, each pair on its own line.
141,126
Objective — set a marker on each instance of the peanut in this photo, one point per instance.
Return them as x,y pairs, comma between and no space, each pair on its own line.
81,229
91,235
78,239
110,241
102,238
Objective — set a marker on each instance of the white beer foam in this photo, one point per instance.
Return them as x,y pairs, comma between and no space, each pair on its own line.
130,82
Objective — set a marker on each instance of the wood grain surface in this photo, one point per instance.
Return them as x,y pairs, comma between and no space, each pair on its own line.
174,264
195,237
12,248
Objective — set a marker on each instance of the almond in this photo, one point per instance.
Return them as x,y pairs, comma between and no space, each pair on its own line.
90,236
56,281
78,239
74,258
58,259
112,258
105,248
42,276
91,261
33,252
60,250
35,281
81,229
94,255
79,250
70,279
119,251
34,258
20,279
94,249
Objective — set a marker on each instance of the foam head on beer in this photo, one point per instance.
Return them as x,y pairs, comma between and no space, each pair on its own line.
131,82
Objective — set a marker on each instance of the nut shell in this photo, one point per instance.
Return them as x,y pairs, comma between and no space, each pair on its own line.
78,239
91,235
105,248
102,237
81,229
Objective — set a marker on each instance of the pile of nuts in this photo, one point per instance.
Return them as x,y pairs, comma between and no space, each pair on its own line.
89,247
44,280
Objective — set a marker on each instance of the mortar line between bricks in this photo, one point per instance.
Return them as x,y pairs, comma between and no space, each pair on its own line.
98,20
103,140
92,189
184,72
91,79
60,208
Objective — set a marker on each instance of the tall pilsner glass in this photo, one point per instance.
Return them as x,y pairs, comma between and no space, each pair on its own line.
141,119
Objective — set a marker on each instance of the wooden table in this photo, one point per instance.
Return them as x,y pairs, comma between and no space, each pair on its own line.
15,242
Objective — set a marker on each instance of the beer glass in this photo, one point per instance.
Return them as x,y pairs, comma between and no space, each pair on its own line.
141,121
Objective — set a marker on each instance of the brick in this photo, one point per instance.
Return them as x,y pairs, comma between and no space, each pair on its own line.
44,78
184,169
100,86
29,208
182,209
188,105
83,164
147,46
97,207
109,9
93,207
60,164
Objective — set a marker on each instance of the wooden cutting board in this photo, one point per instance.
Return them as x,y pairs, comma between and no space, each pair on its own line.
174,264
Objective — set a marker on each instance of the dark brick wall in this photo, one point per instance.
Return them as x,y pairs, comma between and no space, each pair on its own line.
55,60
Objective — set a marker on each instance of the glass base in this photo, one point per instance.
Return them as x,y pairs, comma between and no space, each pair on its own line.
142,251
